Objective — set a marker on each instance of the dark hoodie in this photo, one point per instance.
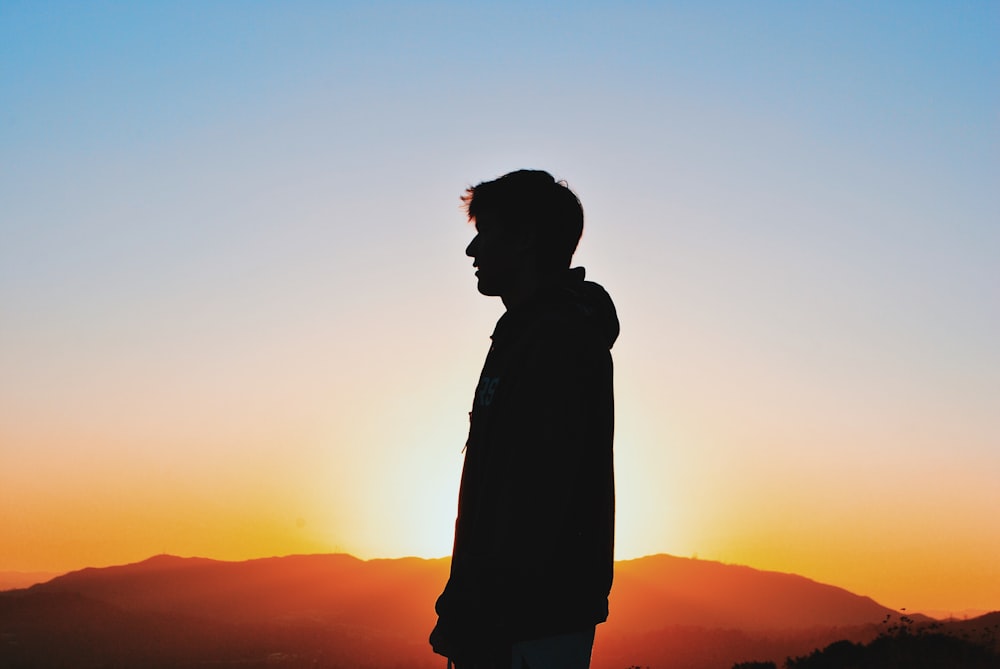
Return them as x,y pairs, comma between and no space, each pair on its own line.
533,554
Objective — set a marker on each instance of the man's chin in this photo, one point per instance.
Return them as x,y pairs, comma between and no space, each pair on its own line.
485,288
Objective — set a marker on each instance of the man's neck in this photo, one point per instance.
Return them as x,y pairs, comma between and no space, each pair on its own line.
519,296
529,286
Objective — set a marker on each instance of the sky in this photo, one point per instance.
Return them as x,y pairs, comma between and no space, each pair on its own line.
236,317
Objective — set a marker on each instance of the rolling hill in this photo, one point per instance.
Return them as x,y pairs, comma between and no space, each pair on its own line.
339,611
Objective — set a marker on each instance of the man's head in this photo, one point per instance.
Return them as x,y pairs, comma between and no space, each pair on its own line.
528,226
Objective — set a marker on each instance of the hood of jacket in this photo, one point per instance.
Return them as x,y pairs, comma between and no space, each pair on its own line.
568,295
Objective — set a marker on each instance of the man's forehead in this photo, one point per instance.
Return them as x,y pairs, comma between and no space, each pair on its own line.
487,219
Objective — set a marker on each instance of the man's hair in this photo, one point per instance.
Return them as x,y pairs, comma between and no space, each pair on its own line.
532,200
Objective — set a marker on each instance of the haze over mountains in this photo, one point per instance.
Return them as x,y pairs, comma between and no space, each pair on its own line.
10,580
339,611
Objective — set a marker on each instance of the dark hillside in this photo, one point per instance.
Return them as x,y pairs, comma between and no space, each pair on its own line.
338,611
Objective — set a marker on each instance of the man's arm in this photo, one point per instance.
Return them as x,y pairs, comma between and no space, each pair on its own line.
555,500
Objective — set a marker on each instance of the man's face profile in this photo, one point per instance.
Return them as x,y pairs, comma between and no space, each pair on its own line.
498,254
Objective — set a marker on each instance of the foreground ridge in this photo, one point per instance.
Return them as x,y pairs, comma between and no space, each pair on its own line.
340,611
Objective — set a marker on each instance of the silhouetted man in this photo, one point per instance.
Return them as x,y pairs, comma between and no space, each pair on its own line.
533,556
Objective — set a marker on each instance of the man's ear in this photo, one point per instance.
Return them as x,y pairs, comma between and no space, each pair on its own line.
526,240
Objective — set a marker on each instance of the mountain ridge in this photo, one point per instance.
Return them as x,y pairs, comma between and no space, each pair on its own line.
340,610
674,589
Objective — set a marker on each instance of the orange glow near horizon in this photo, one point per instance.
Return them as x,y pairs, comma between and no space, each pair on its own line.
326,458
100,514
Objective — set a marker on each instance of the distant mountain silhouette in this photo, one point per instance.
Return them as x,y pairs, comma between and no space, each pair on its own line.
339,611
394,594
661,590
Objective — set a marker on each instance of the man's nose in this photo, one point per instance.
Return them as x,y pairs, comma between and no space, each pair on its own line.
473,247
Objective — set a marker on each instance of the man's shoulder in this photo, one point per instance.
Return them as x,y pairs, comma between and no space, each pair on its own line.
569,323
566,316
558,339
